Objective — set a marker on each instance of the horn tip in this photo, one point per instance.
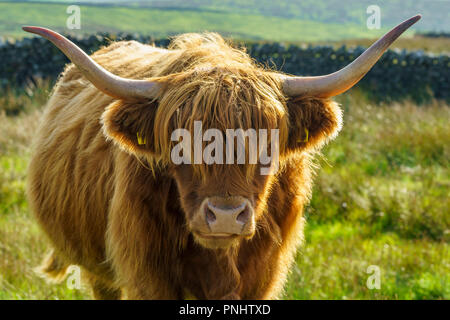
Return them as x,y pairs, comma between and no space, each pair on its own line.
416,18
408,23
32,29
43,32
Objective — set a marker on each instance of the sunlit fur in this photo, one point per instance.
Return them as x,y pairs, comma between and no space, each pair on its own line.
120,210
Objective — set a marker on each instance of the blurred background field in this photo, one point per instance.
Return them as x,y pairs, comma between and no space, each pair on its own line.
381,195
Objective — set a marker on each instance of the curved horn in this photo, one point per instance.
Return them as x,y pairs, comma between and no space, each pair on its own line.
340,81
104,80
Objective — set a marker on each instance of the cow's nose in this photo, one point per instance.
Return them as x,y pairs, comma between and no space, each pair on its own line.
228,219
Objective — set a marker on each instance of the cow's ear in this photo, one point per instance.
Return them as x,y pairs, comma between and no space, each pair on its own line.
312,122
130,125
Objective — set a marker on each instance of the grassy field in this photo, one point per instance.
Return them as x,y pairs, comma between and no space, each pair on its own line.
380,198
169,21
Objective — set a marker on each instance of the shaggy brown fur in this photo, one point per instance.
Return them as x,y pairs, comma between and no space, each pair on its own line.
119,209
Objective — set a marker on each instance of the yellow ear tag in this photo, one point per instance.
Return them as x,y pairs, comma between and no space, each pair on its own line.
140,140
306,138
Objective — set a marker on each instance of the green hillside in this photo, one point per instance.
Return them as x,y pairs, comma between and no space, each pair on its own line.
238,23
436,12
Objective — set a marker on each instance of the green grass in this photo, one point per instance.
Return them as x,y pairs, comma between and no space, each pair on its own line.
380,198
334,265
162,22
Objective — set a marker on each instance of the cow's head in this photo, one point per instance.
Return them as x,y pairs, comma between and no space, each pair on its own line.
218,87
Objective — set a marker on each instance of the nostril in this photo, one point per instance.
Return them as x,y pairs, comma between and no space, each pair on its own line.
243,216
210,216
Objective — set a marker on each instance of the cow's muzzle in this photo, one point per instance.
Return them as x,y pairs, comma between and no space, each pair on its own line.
220,220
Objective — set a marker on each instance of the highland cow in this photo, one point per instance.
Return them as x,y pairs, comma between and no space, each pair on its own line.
104,189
